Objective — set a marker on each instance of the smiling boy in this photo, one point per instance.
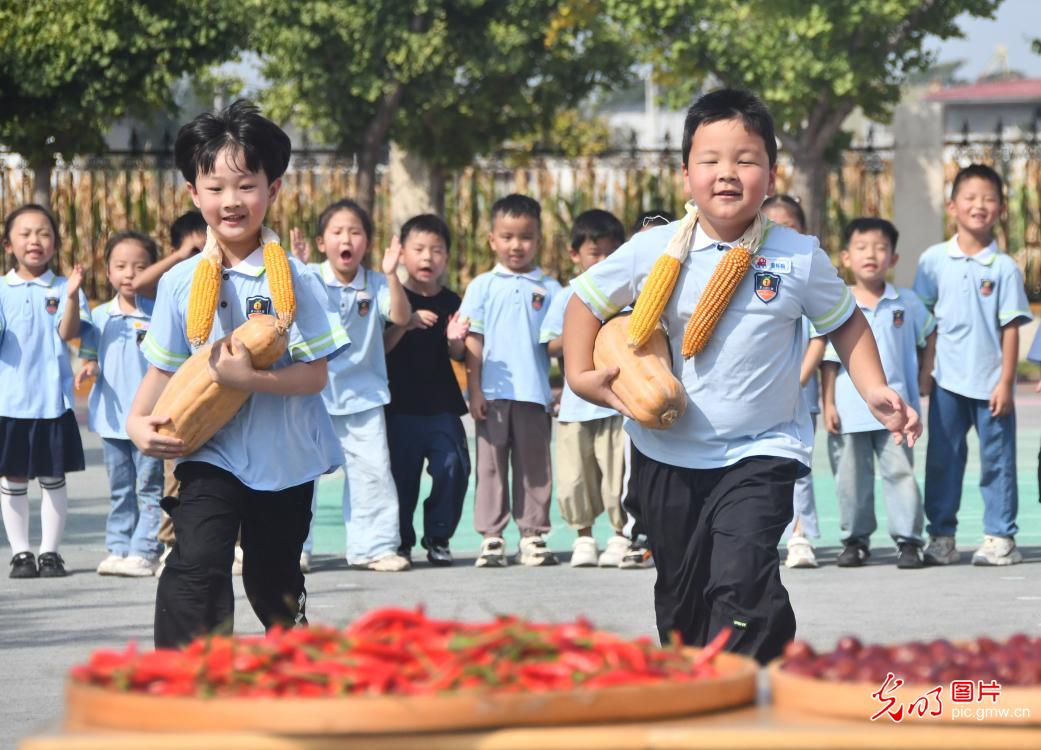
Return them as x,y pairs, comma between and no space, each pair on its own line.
715,489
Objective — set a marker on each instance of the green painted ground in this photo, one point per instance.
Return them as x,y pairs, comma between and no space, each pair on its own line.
329,530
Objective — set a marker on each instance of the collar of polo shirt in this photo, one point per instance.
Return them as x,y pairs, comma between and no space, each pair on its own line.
251,265
984,257
44,279
889,292
114,309
703,242
359,282
534,275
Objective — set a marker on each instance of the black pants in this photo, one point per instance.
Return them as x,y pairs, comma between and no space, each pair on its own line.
195,594
714,536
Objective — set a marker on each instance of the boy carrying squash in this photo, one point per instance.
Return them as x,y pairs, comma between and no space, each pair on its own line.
715,488
257,471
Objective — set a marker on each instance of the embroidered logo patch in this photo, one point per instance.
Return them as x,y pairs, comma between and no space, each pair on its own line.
777,265
986,287
898,318
364,303
51,304
537,299
140,330
258,306
767,286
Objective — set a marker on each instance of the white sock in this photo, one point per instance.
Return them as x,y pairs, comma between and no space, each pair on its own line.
14,501
53,505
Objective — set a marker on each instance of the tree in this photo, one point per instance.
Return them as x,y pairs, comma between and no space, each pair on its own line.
812,62
446,79
69,68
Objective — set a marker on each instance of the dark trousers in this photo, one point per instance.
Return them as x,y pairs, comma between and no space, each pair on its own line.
440,440
195,594
714,536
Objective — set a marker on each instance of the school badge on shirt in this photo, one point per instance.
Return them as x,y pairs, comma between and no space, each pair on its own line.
258,306
767,286
538,297
986,287
898,318
51,304
140,330
364,303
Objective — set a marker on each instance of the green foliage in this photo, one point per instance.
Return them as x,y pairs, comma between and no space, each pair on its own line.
69,68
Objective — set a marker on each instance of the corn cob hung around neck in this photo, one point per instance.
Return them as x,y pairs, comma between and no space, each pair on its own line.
206,284
661,282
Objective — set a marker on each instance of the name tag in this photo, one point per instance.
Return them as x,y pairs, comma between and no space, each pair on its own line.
776,265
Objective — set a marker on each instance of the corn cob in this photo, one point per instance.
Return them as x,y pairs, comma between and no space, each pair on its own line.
653,298
714,299
280,281
202,301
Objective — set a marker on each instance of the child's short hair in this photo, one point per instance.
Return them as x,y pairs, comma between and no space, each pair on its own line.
656,217
730,104
790,204
188,223
871,224
984,173
594,224
29,208
345,204
142,239
264,145
516,204
427,223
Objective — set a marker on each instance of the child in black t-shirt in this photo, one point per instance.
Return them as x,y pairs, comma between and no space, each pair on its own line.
425,399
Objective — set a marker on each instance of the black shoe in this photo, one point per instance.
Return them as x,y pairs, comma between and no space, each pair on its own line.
51,565
23,565
853,555
909,556
437,551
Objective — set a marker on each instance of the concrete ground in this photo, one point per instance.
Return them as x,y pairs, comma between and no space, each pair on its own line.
48,625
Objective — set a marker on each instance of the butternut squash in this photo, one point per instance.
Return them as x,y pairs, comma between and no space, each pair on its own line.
195,404
645,383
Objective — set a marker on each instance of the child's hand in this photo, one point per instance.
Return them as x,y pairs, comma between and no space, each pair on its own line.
895,415
1037,387
231,365
478,406
87,372
187,249
458,327
421,319
1001,400
391,256
832,423
144,432
595,386
73,282
299,245
925,383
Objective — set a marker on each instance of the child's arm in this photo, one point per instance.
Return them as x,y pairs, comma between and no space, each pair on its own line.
829,375
146,283
856,348
230,365
400,309
580,330
1001,399
142,427
418,319
811,360
555,347
456,331
474,361
926,360
89,370
69,326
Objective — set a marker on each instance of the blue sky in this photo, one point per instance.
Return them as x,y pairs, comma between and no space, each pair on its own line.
1014,24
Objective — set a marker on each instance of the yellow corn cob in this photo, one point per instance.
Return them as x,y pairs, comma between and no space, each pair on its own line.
653,298
714,300
202,301
280,281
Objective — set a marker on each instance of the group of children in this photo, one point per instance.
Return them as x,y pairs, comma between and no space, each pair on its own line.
367,383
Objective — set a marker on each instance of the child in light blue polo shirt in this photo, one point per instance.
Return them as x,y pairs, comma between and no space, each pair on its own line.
112,356
902,327
39,437
976,293
508,380
363,301
590,440
715,488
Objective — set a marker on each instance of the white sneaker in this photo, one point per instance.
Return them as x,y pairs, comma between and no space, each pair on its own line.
236,565
305,562
613,553
492,554
800,553
997,550
637,556
392,563
162,560
941,551
583,552
534,553
136,566
107,567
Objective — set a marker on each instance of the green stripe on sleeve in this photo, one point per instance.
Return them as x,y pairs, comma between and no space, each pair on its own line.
831,318
153,351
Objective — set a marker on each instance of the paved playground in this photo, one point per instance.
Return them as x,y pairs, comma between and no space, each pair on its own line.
48,625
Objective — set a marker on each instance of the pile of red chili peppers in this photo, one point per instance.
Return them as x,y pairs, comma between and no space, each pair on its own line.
399,652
